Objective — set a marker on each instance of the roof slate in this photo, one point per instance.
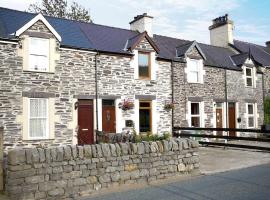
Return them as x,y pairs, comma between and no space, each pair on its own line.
261,54
110,39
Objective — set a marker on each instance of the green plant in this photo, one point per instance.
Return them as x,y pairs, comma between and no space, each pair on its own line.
267,110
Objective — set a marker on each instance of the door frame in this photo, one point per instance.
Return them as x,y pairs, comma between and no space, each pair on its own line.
93,117
223,107
115,114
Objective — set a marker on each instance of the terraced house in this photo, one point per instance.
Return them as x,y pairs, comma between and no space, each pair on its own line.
61,79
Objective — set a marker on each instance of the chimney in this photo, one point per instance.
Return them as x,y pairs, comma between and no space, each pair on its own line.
267,44
221,31
142,23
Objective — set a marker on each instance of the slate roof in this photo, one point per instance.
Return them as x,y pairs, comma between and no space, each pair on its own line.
260,53
182,49
239,59
115,40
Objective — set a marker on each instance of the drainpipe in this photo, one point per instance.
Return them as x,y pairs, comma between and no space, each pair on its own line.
172,78
96,87
263,93
226,100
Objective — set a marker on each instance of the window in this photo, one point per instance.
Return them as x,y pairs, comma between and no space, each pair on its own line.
249,77
194,71
195,116
144,65
39,54
145,116
38,118
250,115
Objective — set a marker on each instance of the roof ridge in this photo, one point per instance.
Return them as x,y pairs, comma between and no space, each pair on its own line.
61,18
192,41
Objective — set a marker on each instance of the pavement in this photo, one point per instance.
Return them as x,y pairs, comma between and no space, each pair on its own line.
218,159
251,183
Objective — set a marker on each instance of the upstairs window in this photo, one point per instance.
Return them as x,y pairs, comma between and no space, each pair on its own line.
38,118
39,54
250,115
249,77
144,65
194,71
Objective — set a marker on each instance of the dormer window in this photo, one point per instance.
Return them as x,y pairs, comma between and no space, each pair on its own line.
38,54
194,71
144,65
249,76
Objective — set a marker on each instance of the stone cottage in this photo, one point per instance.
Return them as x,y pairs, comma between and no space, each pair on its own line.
62,79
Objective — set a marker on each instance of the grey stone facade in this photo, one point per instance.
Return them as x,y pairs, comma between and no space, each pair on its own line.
213,90
74,78
73,171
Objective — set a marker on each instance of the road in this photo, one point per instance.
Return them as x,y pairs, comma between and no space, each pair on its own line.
248,184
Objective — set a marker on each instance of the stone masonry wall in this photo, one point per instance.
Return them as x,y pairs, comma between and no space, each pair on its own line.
213,89
72,171
74,78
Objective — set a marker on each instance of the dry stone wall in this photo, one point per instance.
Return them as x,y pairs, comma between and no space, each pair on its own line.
72,171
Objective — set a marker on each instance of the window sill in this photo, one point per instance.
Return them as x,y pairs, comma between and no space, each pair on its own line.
33,71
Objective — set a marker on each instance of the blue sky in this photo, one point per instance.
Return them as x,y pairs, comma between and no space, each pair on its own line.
185,19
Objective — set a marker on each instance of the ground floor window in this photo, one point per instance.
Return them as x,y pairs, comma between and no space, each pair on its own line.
145,116
251,115
38,118
195,114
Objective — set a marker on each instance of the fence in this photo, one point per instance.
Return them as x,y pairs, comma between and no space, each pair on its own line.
208,139
1,160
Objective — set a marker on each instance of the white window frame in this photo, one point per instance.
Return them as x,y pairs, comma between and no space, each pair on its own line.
251,76
200,115
199,70
46,136
47,55
251,115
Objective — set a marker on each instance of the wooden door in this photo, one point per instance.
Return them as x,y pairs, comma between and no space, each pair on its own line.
219,120
85,122
232,119
108,116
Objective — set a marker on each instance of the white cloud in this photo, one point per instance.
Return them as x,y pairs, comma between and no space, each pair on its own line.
16,4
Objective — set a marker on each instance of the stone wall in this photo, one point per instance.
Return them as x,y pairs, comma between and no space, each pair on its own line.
72,171
213,90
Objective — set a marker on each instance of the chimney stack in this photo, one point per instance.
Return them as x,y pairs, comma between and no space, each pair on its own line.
267,44
142,23
221,31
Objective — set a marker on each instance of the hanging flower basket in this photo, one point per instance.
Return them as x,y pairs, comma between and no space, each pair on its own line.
169,106
126,105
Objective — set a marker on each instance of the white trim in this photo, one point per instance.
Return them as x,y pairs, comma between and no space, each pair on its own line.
154,65
201,71
201,114
154,116
254,115
8,42
33,21
136,115
99,104
47,122
134,63
120,123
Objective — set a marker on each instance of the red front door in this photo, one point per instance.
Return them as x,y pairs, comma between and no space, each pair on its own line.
108,116
232,118
85,122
